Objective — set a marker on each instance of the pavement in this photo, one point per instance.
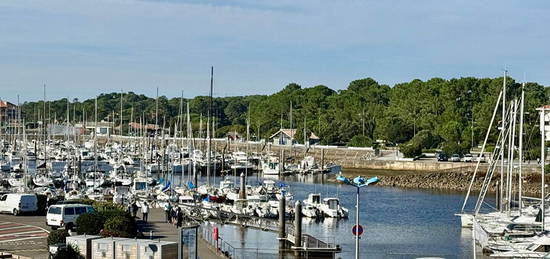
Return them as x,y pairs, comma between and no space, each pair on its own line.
26,235
157,228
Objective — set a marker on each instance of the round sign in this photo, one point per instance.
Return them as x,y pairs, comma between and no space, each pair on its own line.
357,230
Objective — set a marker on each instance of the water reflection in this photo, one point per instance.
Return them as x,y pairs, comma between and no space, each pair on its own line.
399,223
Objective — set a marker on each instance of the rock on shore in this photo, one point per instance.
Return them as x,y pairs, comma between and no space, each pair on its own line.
457,181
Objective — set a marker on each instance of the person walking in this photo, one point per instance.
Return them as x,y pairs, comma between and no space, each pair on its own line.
145,211
180,218
167,212
174,215
134,209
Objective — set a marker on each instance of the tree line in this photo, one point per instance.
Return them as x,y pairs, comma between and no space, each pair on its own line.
452,114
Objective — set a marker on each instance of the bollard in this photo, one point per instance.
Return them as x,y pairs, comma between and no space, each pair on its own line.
298,224
322,159
282,163
242,191
282,225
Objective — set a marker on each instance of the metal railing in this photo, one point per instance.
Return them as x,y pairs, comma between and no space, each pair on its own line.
222,247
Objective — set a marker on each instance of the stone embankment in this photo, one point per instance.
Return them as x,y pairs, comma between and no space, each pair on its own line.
457,181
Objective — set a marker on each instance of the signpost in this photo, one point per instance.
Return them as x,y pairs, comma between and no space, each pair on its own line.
357,230
358,182
188,242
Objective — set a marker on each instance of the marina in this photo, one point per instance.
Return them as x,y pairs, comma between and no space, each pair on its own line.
241,129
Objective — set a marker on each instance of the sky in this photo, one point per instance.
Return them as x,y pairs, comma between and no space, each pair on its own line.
81,48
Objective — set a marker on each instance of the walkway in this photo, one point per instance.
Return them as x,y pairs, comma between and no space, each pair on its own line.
168,232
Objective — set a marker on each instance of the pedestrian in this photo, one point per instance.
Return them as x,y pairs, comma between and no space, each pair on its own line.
174,215
145,211
134,209
180,217
167,212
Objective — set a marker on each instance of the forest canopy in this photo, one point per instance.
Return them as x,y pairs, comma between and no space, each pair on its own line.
449,114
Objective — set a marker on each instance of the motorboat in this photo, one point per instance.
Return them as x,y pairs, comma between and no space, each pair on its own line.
330,207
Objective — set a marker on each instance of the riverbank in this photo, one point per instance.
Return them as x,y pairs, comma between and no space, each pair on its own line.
451,181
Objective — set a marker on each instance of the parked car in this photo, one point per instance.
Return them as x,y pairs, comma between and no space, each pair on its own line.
468,158
65,215
441,157
16,203
481,158
455,158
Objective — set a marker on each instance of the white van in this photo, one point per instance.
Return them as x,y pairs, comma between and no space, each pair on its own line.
65,215
16,203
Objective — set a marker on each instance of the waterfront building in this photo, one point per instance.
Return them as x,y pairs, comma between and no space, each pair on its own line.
283,137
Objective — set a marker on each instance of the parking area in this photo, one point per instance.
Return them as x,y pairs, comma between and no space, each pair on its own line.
24,235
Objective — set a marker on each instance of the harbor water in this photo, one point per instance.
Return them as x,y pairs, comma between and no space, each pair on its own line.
398,223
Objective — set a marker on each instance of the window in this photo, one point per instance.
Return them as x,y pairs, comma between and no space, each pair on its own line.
89,209
69,211
54,210
80,210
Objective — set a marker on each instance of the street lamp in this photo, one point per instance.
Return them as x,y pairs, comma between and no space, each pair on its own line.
357,182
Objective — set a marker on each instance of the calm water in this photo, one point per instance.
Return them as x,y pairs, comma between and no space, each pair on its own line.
398,223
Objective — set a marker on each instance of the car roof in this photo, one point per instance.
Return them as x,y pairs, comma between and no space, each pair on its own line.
71,205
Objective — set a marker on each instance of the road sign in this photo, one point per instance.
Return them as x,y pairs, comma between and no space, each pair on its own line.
357,230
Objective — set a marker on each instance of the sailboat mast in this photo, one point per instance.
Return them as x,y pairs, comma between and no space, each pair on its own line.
511,148
501,192
95,141
482,151
156,127
520,197
180,124
45,130
67,124
208,148
542,161
121,112
131,119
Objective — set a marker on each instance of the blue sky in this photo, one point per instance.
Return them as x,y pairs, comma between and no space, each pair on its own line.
80,48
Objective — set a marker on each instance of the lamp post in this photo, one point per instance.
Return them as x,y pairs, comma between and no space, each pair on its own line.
357,182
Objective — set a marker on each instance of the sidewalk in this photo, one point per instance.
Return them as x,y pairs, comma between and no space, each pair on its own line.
169,232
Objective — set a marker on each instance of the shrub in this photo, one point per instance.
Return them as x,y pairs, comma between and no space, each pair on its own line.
70,252
451,147
57,236
107,206
120,226
360,141
90,223
411,149
426,139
